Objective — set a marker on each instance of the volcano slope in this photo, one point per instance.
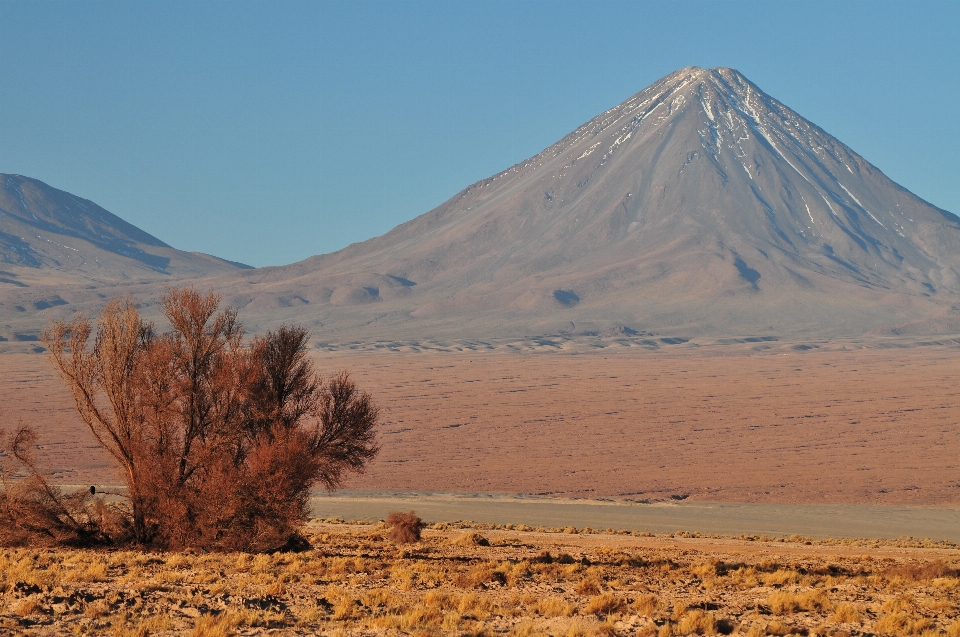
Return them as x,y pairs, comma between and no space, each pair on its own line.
699,205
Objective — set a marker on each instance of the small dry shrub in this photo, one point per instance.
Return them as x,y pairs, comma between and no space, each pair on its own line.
555,607
697,622
29,607
405,528
472,539
588,586
605,604
846,614
645,605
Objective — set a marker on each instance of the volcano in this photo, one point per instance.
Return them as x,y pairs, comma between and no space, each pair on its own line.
700,205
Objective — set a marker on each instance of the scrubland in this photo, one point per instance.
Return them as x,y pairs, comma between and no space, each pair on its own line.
464,579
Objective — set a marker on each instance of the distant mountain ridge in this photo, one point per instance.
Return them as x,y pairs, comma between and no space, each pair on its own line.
59,252
35,218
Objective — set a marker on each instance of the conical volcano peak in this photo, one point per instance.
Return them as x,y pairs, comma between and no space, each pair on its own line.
700,201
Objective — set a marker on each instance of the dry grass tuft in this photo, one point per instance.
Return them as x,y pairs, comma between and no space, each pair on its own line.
846,614
471,539
223,625
405,528
645,605
697,622
555,607
605,604
588,586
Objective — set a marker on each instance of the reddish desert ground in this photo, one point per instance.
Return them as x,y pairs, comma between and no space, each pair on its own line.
744,422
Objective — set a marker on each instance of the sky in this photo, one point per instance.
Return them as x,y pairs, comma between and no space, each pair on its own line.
267,132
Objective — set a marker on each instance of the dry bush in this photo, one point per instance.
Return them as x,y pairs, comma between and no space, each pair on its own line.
471,539
34,512
846,614
588,586
783,603
697,622
218,443
605,604
405,528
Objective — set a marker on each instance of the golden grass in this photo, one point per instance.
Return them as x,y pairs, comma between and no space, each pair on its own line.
697,622
846,614
513,583
605,604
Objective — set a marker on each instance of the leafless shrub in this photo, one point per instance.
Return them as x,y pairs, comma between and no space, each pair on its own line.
35,513
219,443
404,527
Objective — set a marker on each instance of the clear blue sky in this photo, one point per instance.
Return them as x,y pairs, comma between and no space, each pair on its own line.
266,132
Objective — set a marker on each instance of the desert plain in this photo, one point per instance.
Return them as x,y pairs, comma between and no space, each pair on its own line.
616,422
843,423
